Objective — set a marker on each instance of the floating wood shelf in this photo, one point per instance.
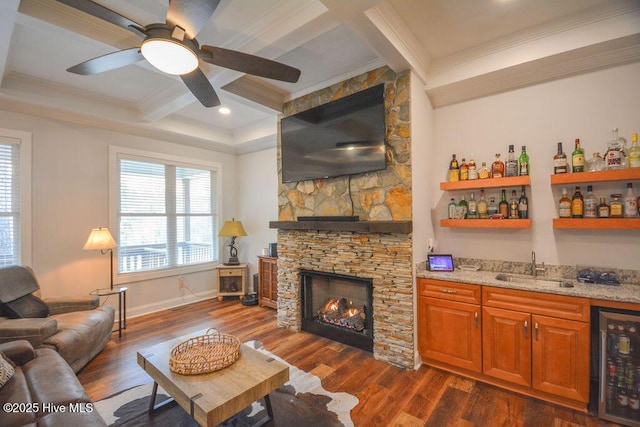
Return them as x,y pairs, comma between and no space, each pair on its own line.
598,223
486,223
401,227
512,181
608,175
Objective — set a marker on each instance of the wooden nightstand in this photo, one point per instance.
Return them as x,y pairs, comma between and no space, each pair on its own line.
232,280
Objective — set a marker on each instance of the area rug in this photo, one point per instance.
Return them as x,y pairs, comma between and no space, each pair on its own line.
301,401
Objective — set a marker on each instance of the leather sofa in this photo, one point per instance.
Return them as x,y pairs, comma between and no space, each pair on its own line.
77,328
41,386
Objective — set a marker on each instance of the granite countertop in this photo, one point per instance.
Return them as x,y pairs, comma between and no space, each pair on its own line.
623,293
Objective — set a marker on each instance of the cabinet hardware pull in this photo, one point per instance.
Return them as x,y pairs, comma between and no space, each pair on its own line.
448,291
475,319
526,326
536,327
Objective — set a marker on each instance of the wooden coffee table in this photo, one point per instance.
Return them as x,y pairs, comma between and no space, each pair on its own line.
212,398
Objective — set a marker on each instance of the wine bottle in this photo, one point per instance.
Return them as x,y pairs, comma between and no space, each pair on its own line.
560,161
511,163
577,158
523,205
577,204
523,162
503,206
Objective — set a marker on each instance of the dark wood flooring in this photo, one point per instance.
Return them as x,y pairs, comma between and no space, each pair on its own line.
388,395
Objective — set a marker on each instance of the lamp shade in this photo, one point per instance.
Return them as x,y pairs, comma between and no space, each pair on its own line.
99,240
232,229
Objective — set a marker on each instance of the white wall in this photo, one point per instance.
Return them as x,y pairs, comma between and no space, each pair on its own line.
70,197
257,203
586,107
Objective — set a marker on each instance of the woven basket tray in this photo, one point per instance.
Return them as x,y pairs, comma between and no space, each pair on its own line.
204,353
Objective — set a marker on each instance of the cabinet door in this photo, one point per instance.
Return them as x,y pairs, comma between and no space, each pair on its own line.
506,338
561,357
449,332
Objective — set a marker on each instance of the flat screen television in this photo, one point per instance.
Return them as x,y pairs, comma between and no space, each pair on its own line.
342,137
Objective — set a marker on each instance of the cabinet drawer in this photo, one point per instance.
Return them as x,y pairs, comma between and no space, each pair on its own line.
225,272
452,291
560,306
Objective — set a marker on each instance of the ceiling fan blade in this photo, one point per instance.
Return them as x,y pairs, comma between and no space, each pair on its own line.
107,62
191,15
201,88
105,14
249,64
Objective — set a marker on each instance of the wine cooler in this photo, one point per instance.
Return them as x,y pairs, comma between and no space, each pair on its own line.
619,368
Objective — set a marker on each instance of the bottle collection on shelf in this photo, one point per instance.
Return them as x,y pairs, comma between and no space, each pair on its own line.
512,166
616,157
513,208
588,206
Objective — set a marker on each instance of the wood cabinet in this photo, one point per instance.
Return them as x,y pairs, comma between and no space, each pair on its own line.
621,175
477,184
232,280
268,281
534,343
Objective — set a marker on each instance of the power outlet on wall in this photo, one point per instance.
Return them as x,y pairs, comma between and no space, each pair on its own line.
180,282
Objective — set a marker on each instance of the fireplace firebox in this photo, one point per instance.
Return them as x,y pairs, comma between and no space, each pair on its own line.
338,307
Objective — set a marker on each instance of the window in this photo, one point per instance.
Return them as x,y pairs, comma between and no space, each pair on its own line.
166,214
15,198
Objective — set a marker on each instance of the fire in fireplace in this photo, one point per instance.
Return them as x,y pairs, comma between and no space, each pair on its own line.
338,307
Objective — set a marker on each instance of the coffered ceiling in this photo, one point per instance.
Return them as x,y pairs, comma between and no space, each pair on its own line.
458,49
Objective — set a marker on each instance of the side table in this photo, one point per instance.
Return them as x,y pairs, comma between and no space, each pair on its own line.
122,304
232,280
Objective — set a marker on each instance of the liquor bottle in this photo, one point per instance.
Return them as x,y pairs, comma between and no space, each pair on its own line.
603,208
473,170
560,161
463,203
513,205
484,171
630,203
482,206
492,209
472,213
464,170
454,170
451,209
564,206
497,168
511,163
634,152
595,163
523,205
577,158
523,162
503,206
615,157
590,204
577,204
616,206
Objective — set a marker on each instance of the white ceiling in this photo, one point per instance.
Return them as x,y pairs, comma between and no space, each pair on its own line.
458,49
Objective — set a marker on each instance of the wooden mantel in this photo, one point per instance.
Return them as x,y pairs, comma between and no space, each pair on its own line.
401,227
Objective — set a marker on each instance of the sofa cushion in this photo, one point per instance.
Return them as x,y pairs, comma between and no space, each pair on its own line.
17,281
16,390
35,330
27,306
6,370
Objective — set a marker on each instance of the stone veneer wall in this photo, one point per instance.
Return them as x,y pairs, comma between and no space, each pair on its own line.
377,196
386,258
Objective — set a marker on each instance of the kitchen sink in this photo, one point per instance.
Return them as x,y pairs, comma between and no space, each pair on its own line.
533,281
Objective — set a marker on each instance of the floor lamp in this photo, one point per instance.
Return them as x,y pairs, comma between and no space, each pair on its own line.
101,240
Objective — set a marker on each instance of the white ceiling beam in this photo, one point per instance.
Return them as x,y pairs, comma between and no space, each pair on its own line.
8,12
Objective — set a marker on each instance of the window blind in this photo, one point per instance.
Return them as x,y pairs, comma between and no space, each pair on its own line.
10,237
166,215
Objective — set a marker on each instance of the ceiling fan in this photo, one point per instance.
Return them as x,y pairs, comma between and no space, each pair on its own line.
172,48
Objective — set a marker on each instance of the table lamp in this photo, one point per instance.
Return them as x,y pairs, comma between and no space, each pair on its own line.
101,240
232,229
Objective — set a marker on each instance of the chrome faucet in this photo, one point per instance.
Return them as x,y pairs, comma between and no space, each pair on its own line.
534,266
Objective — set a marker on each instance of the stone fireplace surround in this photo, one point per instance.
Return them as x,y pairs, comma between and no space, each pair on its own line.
384,255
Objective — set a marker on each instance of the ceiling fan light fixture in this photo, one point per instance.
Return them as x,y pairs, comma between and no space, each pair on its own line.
169,56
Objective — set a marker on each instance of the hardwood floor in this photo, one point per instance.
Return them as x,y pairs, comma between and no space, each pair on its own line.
388,395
